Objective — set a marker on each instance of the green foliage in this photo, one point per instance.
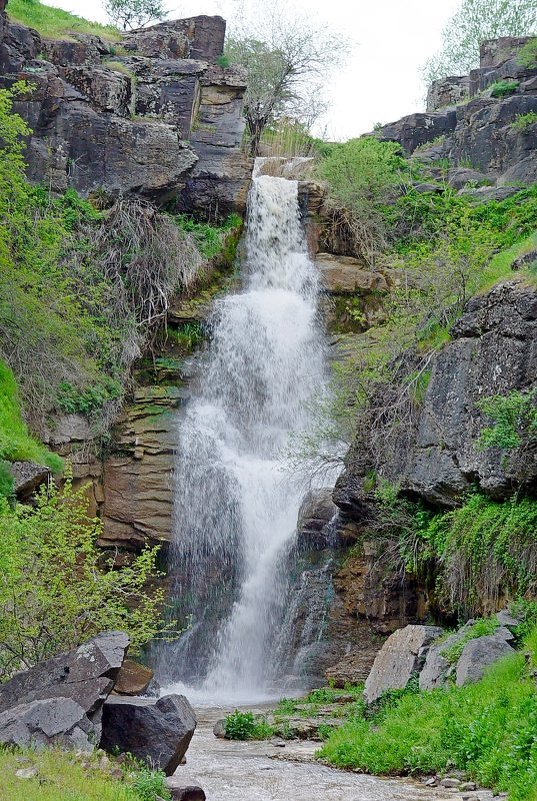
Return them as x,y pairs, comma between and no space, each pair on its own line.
150,785
482,548
247,726
209,238
524,121
129,14
71,399
503,88
487,729
481,628
56,587
55,22
188,336
362,171
514,418
15,442
527,56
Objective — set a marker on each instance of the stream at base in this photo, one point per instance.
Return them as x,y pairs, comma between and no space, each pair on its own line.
259,771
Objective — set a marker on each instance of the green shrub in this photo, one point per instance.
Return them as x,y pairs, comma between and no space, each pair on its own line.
209,238
524,121
503,88
246,726
85,401
56,587
15,442
514,418
527,56
150,785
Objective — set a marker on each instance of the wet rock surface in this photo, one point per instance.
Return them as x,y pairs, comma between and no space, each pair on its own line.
492,352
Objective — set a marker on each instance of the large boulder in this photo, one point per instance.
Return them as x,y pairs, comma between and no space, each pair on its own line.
60,701
401,657
156,731
480,654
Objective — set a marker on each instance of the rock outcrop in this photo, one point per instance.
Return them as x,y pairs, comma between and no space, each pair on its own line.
60,701
161,119
492,352
156,731
316,511
465,122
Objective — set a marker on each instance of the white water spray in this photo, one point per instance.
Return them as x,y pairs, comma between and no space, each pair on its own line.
236,509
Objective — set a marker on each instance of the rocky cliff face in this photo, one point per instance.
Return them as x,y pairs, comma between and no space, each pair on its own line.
468,124
154,115
492,351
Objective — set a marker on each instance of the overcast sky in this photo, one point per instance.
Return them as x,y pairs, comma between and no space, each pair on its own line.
390,40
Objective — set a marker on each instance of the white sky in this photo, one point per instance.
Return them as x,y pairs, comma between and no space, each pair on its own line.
390,40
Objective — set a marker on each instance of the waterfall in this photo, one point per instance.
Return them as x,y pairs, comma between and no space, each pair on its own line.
236,505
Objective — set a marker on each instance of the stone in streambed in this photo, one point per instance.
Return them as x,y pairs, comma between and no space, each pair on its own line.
156,731
184,792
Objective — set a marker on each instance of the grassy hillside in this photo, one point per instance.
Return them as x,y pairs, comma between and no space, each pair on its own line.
54,23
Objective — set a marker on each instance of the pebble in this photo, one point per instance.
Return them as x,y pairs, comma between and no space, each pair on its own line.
277,743
450,783
26,773
467,786
431,782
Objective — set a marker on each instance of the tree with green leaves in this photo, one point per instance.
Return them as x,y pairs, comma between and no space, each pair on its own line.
58,588
474,22
130,14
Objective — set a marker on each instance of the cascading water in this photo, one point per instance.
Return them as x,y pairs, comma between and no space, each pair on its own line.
236,508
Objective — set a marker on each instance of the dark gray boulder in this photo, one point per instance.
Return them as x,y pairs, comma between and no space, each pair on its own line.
27,477
184,792
156,731
61,700
478,655
60,722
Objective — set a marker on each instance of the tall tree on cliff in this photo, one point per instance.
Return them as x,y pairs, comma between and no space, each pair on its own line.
287,59
474,22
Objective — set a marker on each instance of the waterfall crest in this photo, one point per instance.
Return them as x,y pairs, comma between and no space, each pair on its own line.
235,506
